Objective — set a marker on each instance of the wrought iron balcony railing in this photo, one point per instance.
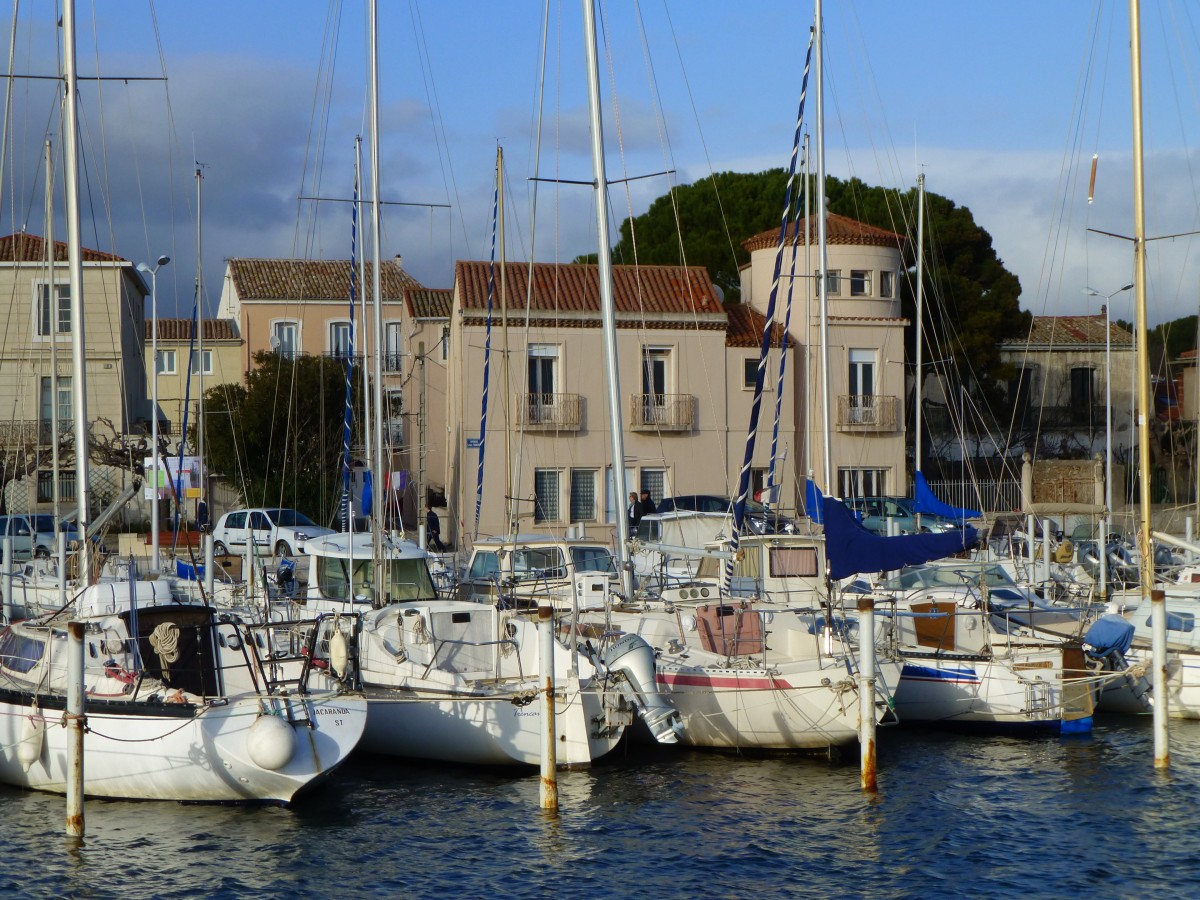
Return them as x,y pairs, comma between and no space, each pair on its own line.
551,412
867,412
662,412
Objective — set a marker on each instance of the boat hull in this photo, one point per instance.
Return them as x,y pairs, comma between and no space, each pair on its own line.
180,752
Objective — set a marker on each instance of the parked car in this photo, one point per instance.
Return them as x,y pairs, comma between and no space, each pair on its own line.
875,512
758,519
279,531
33,534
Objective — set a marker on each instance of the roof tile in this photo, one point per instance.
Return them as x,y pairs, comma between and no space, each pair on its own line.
32,248
320,280
838,230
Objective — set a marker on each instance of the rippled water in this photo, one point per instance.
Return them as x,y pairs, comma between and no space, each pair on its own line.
955,815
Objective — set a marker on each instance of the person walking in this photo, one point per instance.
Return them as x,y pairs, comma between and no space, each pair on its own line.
433,530
634,512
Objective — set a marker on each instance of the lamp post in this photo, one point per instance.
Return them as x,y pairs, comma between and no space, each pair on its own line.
1092,292
153,272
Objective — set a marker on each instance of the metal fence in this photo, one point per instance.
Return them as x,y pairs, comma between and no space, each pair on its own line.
986,496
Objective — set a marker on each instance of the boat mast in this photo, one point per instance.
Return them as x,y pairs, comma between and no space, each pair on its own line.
377,519
607,303
822,255
75,268
920,311
52,324
199,353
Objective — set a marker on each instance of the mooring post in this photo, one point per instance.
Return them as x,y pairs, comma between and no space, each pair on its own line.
866,691
210,562
75,729
1158,653
549,792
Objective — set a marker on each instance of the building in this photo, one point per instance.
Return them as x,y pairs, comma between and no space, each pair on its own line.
178,368
684,387
865,368
37,378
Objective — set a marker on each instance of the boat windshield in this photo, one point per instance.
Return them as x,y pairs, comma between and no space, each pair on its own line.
20,652
593,559
405,579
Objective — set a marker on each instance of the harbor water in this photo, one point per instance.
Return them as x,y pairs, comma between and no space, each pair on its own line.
955,816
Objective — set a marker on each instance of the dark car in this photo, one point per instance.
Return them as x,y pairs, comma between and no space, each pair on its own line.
758,519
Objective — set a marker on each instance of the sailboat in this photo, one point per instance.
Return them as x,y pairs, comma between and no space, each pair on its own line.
181,704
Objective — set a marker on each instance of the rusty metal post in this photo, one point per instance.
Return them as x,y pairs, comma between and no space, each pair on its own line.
866,691
1158,653
549,791
75,727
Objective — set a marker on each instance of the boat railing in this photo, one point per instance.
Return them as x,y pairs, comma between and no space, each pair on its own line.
285,655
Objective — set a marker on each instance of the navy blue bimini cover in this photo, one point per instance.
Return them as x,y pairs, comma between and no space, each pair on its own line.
925,502
852,549
1110,632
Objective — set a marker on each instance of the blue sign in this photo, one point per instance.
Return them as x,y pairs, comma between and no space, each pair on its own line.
473,443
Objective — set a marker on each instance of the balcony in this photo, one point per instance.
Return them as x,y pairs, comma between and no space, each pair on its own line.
866,412
17,432
550,412
662,412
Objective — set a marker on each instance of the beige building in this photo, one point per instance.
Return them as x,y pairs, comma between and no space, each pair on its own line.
866,375
178,368
682,363
35,353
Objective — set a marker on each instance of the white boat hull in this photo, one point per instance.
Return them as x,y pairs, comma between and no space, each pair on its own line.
182,753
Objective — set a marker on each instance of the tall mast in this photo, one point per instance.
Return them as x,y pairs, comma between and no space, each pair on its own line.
199,343
822,257
52,303
607,303
366,341
510,518
75,267
376,292
920,306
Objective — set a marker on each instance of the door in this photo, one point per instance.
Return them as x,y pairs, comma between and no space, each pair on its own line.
862,387
654,385
259,528
541,384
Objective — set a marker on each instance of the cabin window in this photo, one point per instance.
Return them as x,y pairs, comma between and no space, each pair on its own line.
484,566
860,283
885,284
592,559
583,495
537,563
800,562
19,652
166,362
546,500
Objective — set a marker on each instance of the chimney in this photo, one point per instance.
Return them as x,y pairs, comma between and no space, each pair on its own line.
399,261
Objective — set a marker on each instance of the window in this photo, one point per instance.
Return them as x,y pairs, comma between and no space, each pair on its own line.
654,481
655,385
285,338
393,400
46,416
1083,395
484,566
1020,390
751,371
583,495
53,316
208,363
542,381
166,362
45,485
393,360
833,280
341,342
885,284
854,482
545,488
800,562
860,283
861,408
445,342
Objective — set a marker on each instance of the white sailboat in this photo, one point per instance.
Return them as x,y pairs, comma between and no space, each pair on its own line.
181,704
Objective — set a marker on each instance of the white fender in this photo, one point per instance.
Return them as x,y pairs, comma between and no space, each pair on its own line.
271,742
632,657
33,738
339,653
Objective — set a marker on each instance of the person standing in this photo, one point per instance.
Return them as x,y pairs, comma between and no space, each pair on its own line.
433,530
634,512
647,506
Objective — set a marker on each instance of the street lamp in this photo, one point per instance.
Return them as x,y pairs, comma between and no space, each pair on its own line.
1092,292
153,272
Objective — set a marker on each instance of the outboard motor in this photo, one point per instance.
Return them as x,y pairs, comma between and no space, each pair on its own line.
632,657
285,577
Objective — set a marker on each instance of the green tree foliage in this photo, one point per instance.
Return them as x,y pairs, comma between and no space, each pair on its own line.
972,299
281,434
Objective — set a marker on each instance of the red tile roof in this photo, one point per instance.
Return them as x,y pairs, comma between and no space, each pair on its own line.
651,291
181,330
429,303
746,326
32,248
838,230
1078,331
319,280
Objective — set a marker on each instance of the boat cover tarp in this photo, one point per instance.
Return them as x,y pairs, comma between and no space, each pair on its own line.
1110,632
925,501
852,550
812,501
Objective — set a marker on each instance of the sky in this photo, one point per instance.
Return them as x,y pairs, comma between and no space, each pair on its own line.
1000,105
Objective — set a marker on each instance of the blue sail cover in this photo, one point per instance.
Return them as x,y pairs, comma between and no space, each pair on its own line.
813,498
852,550
925,502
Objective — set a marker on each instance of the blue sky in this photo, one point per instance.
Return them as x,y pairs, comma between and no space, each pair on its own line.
1000,104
